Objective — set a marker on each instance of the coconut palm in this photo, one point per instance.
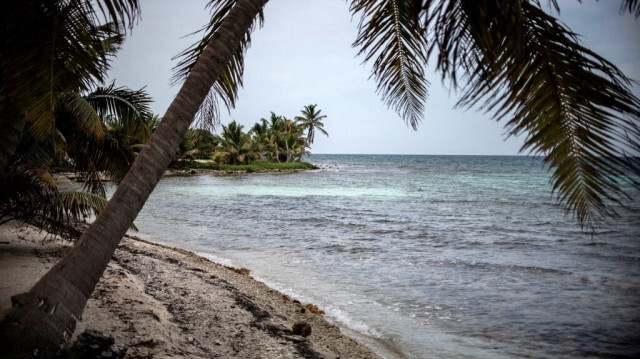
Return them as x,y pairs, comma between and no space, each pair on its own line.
259,130
310,121
198,143
509,49
274,135
517,62
50,47
259,134
32,195
103,130
84,139
287,136
236,145
297,144
44,318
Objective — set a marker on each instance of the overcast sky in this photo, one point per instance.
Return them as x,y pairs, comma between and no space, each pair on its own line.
303,56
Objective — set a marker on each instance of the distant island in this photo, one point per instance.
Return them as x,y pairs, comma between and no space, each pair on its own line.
192,166
274,144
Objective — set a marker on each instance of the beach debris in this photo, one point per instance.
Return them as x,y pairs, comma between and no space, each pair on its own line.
94,344
243,271
314,309
301,328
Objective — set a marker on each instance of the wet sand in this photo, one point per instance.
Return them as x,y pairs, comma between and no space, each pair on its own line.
162,302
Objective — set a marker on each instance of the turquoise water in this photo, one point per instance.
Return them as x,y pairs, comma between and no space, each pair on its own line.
435,256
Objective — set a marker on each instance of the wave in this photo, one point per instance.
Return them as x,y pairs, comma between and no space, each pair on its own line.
499,267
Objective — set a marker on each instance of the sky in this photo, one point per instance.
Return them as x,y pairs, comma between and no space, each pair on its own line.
303,55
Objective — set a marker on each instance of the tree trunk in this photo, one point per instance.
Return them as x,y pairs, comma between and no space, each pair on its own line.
42,320
286,145
12,128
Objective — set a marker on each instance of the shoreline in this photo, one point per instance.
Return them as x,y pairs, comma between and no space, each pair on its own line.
172,172
159,301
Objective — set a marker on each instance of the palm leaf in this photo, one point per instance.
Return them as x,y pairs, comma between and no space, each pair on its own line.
73,205
226,86
633,6
389,32
94,149
121,104
574,106
121,12
56,47
208,116
82,113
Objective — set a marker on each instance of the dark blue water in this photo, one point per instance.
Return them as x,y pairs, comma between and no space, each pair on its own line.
436,256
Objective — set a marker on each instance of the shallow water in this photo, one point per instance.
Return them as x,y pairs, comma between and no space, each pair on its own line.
438,256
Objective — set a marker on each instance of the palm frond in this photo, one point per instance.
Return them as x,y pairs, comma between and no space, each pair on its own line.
125,113
208,116
52,47
73,205
121,12
96,161
27,178
96,150
633,6
26,188
120,104
227,84
574,106
82,113
389,32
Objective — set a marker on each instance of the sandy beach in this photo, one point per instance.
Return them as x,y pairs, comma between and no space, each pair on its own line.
162,302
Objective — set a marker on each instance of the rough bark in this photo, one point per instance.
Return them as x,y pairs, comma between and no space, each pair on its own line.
11,126
10,134
42,320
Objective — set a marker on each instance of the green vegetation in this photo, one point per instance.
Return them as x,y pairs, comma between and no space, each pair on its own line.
57,116
255,166
268,145
511,58
95,135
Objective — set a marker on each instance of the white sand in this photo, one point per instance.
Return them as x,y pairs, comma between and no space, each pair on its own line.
161,302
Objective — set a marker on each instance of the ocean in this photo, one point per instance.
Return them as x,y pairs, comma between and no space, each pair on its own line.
428,256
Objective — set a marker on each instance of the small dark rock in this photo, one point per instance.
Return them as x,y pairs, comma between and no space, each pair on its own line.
94,344
301,328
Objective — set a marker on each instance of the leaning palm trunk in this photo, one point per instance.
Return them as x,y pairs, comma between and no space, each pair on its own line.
10,135
43,319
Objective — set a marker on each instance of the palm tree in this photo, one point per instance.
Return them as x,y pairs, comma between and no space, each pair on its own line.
45,317
298,145
310,121
575,106
286,136
198,143
93,136
103,130
274,134
279,136
50,47
236,145
513,59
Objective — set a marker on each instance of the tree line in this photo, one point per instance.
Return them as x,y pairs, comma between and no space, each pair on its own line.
277,139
